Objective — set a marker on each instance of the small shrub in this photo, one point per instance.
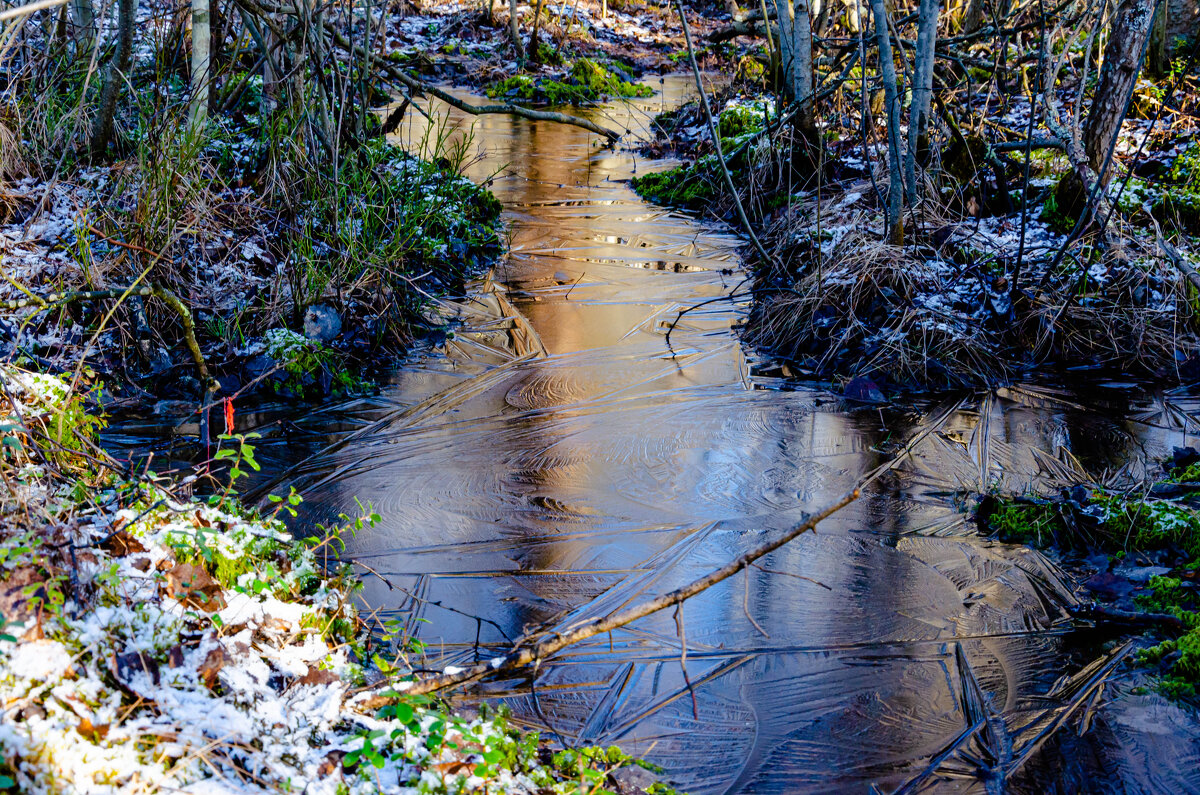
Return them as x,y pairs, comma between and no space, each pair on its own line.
309,368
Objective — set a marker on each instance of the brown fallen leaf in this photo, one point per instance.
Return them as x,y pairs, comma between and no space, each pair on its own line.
454,767
214,661
331,764
122,543
317,676
88,731
194,587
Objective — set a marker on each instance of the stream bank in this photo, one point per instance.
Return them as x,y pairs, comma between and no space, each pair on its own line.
992,284
150,641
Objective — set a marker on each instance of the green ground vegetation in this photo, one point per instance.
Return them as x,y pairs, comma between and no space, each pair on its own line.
586,82
1121,524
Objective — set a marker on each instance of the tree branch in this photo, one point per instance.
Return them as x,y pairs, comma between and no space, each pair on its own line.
528,652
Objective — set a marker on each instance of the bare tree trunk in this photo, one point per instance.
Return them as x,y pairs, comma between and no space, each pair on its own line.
272,79
974,16
785,13
1079,190
1122,63
83,27
796,62
1158,57
201,62
514,31
114,77
533,33
795,48
887,71
802,79
922,94
823,11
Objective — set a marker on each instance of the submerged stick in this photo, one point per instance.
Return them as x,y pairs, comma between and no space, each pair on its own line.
549,645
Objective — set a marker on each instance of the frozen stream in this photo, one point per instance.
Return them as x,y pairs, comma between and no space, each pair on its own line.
555,459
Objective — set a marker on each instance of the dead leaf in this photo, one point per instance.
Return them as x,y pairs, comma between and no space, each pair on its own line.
194,587
90,732
122,543
331,764
317,676
175,656
214,661
454,768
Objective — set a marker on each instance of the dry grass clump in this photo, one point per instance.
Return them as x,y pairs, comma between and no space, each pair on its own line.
11,167
860,306
1140,317
935,313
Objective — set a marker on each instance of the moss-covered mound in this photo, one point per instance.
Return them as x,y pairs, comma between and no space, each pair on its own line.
691,185
694,185
586,82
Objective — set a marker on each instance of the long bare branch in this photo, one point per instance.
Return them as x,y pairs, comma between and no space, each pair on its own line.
530,652
420,86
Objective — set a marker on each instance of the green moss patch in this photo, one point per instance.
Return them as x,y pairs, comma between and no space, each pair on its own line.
692,185
586,82
1162,522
